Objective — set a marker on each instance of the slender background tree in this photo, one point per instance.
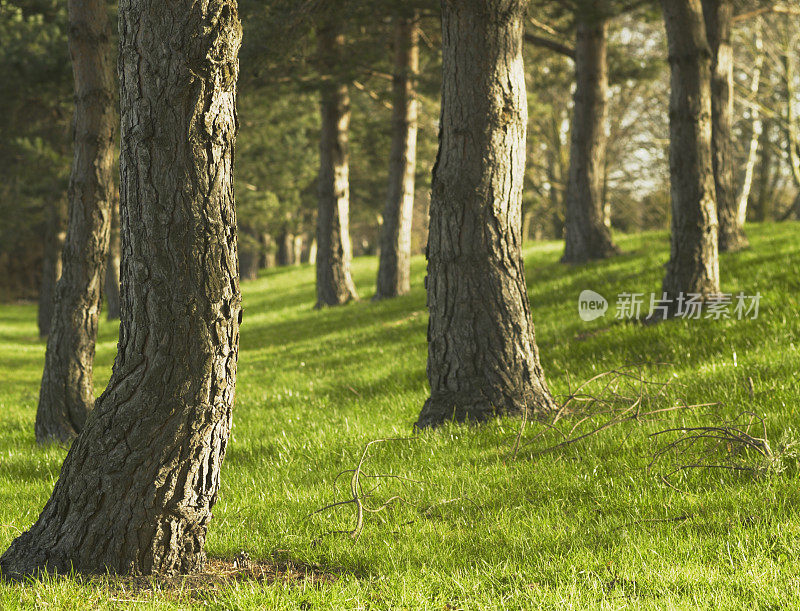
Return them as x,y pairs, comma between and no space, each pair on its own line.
693,266
67,395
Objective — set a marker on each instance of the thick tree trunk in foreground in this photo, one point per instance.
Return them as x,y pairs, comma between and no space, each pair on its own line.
334,284
693,265
112,264
55,234
482,354
587,235
394,269
718,16
66,396
136,489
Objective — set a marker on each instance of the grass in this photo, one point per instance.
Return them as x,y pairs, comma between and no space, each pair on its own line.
586,526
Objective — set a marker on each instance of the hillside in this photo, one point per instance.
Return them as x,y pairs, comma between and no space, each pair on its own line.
585,524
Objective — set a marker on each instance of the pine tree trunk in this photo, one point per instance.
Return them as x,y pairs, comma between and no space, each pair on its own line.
394,269
718,16
66,396
482,354
334,284
55,234
693,266
136,489
587,236
112,264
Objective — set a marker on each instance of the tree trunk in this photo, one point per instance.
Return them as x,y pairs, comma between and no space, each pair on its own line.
67,395
718,15
694,265
307,247
312,251
55,234
394,269
755,132
482,354
248,263
765,174
136,489
268,251
587,235
285,249
334,284
112,264
527,222
297,249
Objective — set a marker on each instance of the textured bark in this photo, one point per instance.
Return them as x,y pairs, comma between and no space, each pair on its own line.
482,354
112,264
55,234
394,269
66,395
718,15
694,265
334,284
136,489
586,234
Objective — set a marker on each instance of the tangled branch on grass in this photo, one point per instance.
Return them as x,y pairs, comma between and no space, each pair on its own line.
738,445
359,496
607,399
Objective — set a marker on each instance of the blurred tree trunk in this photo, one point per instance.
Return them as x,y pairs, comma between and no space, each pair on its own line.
55,233
249,255
766,174
136,490
268,251
334,284
587,235
394,269
527,222
792,132
718,16
285,249
112,264
297,249
66,396
694,264
482,354
756,129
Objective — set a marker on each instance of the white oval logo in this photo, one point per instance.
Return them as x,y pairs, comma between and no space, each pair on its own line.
591,305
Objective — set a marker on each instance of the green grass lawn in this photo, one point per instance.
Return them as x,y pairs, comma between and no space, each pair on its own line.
586,525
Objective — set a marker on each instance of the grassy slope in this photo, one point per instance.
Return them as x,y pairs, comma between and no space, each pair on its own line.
554,530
